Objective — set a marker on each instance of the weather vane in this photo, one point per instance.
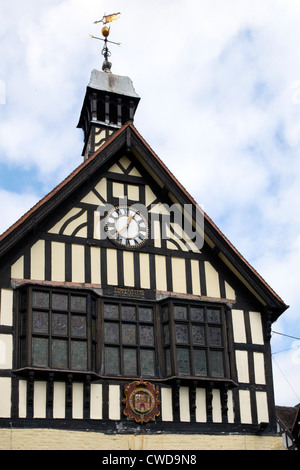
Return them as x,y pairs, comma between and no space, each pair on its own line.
105,33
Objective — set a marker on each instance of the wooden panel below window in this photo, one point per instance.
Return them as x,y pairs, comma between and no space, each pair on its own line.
59,399
245,406
5,393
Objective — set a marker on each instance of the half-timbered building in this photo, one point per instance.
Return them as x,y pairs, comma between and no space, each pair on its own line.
288,423
128,320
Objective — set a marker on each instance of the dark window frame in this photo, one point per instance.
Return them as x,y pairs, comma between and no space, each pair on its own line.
122,346
171,364
96,342
27,332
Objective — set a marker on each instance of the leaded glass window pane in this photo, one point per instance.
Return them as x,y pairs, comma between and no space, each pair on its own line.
111,333
59,324
130,361
60,302
180,312
78,303
78,326
40,322
181,332
213,316
183,361
146,335
146,314
40,299
200,362
215,336
57,316
198,334
217,364
112,361
128,334
147,362
197,314
128,312
40,356
79,355
111,311
59,354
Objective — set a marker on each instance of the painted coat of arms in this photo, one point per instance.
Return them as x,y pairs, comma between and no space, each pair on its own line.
141,401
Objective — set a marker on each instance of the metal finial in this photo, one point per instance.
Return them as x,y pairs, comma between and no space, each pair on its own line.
105,33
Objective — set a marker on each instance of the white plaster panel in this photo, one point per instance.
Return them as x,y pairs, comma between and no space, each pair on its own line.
238,322
6,306
184,404
166,404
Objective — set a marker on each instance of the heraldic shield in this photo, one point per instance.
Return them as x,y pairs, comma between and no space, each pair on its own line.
141,401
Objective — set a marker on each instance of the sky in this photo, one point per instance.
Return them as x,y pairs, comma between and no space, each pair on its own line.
219,82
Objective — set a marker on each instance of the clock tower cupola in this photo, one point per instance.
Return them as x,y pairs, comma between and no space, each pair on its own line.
110,100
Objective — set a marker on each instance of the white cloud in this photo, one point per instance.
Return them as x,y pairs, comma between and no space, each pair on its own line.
14,206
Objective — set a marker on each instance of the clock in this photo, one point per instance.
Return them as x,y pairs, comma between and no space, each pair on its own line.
127,226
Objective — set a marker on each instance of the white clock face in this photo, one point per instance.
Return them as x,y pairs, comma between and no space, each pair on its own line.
127,226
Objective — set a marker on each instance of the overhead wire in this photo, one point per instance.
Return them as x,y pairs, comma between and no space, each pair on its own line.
286,380
282,334
284,350
288,336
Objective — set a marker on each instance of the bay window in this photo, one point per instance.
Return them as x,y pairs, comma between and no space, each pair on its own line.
193,340
77,331
57,329
129,340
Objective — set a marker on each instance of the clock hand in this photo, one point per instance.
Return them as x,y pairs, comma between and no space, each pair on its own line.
129,220
125,226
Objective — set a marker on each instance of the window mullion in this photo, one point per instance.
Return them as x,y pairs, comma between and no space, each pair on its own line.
100,336
120,344
88,337
159,350
191,345
69,331
173,346
225,343
29,327
50,338
208,358
138,342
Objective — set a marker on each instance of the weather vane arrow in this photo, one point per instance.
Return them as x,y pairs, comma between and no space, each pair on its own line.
108,18
105,33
